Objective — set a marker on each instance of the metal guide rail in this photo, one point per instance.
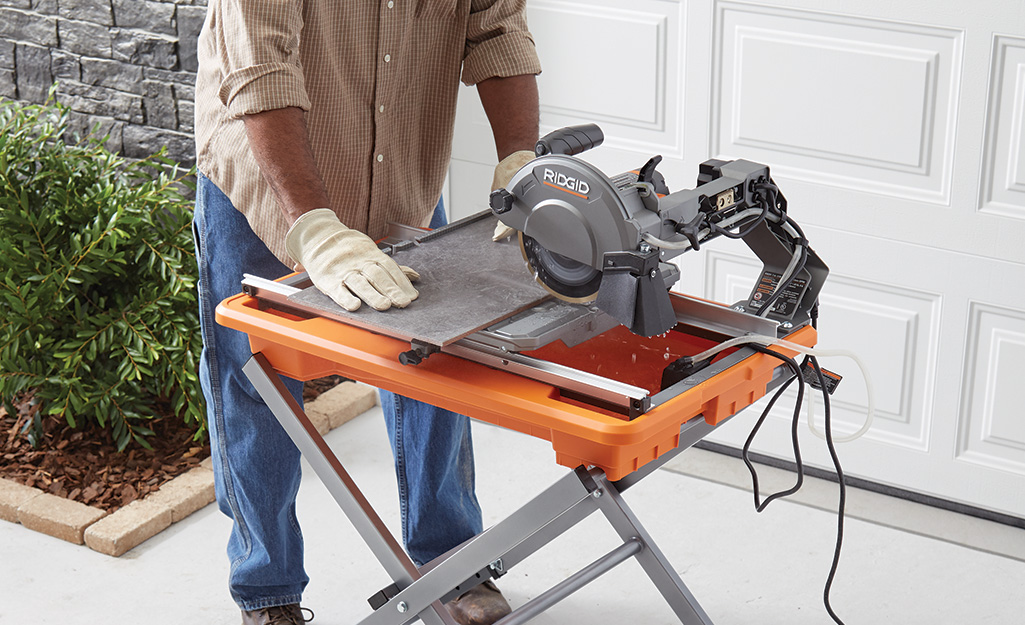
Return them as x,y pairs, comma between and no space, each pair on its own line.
567,394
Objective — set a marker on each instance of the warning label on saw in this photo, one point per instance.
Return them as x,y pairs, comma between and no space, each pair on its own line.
787,300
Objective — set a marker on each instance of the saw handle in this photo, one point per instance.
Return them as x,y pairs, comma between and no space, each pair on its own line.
570,140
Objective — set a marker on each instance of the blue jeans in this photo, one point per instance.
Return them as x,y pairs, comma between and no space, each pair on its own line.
256,465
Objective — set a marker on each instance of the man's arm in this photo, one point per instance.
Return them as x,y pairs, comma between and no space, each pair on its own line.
281,145
343,263
512,108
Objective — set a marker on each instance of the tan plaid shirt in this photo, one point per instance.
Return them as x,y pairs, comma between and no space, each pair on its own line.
378,80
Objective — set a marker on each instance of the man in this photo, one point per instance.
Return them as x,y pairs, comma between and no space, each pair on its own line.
317,123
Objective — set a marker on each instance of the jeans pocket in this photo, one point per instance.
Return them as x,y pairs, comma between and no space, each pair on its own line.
199,213
196,239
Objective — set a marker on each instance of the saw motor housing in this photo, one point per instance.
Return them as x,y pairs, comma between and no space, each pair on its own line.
593,238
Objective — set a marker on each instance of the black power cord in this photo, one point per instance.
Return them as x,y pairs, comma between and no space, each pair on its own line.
841,506
841,479
746,450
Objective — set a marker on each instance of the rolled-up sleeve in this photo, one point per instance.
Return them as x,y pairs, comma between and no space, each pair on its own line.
261,56
498,43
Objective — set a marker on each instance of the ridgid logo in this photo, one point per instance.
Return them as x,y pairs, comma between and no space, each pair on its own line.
573,185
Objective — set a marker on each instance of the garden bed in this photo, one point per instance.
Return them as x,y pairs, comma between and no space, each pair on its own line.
84,465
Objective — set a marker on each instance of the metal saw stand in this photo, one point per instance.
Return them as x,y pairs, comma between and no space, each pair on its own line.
421,592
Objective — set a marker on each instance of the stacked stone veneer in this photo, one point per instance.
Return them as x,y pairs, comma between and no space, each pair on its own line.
128,65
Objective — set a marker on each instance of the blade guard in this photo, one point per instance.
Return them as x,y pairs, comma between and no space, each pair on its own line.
571,207
568,206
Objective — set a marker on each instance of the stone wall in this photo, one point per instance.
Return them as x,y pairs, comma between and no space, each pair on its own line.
128,65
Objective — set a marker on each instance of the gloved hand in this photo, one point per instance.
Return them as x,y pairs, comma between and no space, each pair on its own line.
346,265
503,174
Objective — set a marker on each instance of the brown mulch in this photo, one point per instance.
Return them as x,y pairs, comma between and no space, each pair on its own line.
313,388
84,465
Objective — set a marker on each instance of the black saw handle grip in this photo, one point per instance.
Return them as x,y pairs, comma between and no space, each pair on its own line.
570,140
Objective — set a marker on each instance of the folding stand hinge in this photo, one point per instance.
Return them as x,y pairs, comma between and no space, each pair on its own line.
497,568
383,596
587,480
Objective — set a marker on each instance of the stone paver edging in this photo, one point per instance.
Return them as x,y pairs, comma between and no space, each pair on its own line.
114,534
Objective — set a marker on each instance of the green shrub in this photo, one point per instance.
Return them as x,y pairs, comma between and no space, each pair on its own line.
97,280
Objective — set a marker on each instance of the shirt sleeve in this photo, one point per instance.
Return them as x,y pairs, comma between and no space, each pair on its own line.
498,43
260,56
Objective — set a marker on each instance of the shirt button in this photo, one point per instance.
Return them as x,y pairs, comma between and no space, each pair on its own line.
381,108
390,4
380,157
387,58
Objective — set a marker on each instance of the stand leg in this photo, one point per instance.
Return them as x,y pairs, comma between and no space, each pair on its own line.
548,515
651,558
341,486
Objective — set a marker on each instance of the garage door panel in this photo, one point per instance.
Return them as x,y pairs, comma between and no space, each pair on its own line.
992,417
838,100
894,330
640,54
791,86
1003,190
631,81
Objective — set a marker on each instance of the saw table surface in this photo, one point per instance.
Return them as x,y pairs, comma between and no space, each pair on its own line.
467,282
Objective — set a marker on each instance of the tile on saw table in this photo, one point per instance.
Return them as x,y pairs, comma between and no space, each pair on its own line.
467,282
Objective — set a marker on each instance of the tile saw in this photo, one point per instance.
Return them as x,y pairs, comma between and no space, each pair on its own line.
597,272
582,345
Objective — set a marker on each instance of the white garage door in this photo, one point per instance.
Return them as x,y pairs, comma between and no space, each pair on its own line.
897,132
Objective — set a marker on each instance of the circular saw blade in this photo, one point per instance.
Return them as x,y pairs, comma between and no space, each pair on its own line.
563,277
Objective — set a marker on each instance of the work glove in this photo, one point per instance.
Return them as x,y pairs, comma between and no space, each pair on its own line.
346,264
503,174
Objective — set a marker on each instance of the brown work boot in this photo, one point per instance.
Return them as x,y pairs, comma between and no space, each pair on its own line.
277,615
481,605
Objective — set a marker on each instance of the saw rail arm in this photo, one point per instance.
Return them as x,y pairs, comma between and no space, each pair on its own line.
739,200
729,194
